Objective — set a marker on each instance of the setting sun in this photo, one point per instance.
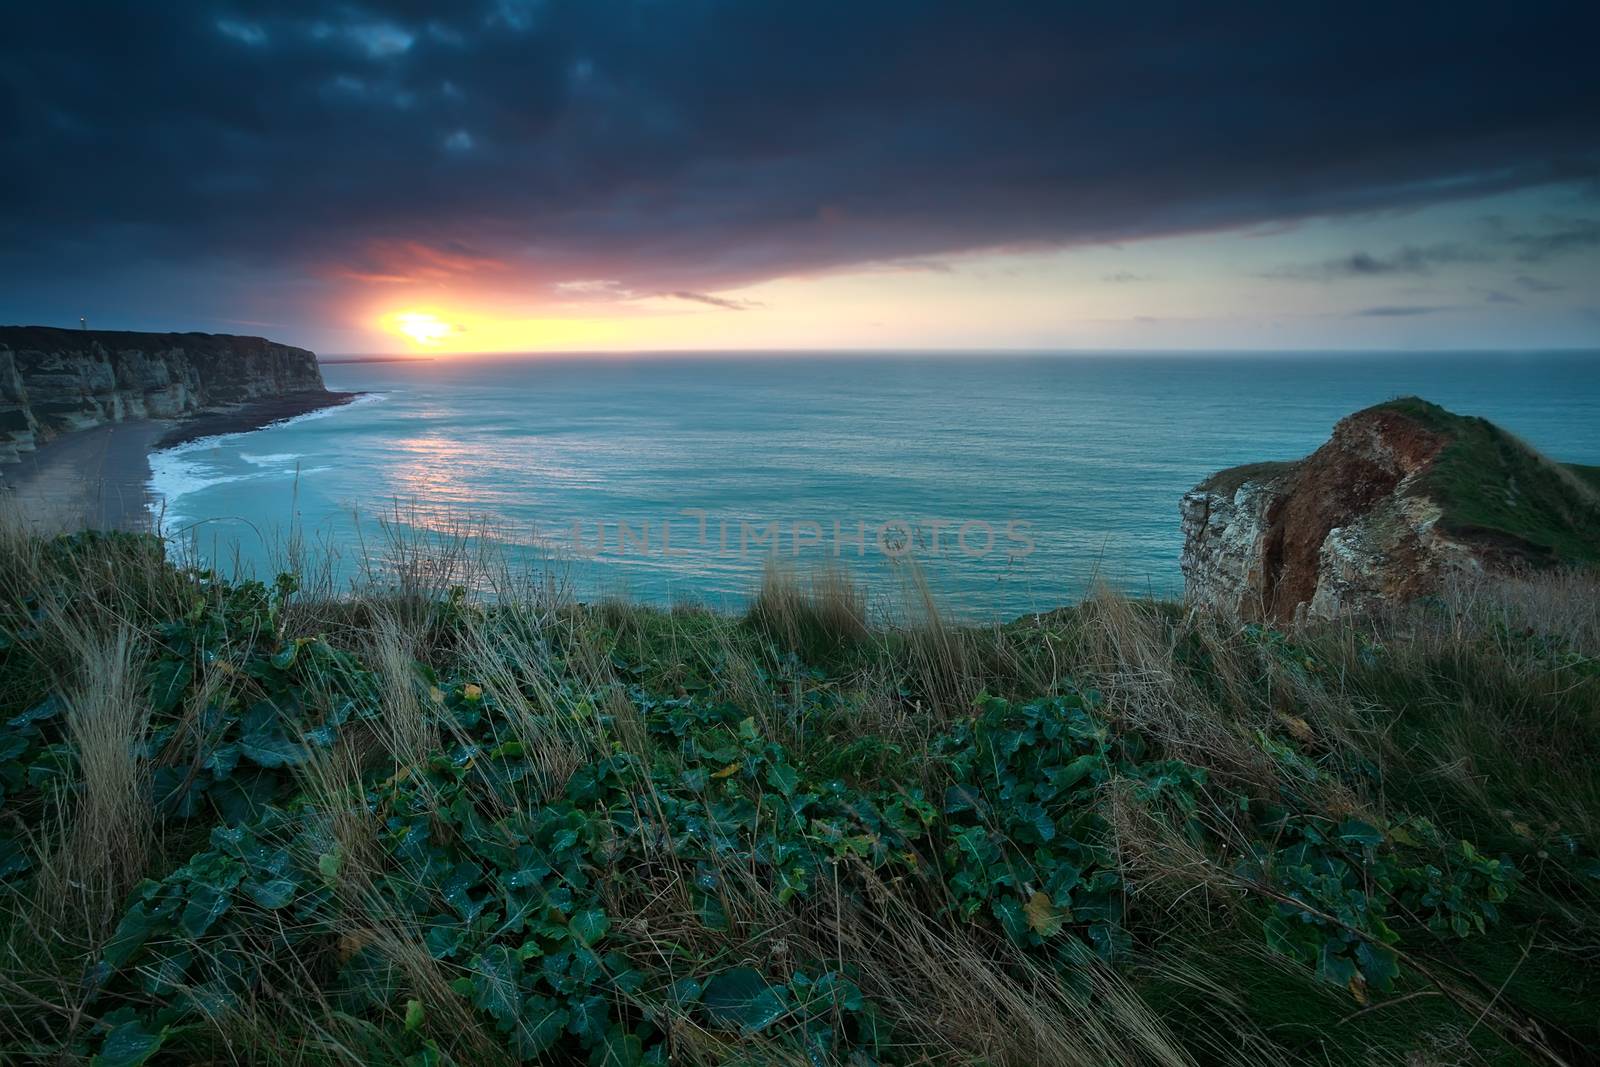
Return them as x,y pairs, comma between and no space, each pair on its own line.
423,328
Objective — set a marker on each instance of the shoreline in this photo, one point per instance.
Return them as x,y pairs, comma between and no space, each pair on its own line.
255,415
88,479
99,478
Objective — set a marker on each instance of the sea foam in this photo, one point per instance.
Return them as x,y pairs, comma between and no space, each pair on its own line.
185,469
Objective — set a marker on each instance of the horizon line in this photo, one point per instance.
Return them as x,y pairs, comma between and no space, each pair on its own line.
424,357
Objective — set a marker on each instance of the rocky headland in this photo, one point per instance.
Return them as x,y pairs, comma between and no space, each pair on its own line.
55,381
80,411
1402,495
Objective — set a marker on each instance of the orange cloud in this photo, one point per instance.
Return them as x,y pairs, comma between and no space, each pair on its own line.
414,262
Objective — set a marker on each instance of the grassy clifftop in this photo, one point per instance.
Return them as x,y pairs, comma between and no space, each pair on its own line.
411,827
1228,481
1491,484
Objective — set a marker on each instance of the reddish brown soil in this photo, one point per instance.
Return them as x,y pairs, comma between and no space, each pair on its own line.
1366,458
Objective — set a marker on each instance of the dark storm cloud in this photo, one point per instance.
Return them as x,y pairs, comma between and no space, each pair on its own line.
1389,311
686,147
1555,237
1564,237
1538,285
1409,260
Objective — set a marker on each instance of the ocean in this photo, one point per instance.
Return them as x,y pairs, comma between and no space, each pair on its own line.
1012,482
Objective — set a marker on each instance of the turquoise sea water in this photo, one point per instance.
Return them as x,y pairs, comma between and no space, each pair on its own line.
1019,479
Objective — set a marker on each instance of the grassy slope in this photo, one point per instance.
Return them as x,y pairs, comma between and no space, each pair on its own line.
1228,481
1491,484
1589,475
790,835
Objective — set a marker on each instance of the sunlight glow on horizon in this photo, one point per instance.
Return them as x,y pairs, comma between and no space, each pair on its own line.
1252,289
439,330
422,327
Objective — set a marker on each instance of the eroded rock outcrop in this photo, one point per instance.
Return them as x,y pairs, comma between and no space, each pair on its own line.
1401,495
53,381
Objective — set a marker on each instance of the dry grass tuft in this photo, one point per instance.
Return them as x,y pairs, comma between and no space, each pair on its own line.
823,612
941,656
975,999
108,837
1134,652
407,733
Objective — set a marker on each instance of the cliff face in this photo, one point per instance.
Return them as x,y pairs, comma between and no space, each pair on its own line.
1401,495
53,381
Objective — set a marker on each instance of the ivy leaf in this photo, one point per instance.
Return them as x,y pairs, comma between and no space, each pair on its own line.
48,708
621,1049
527,876
443,937
272,894
683,992
589,925
222,761
241,798
494,983
128,1045
587,1019
742,998
206,905
168,680
1333,967
272,752
132,932
13,858
1379,965
1012,919
457,890
262,740
960,798
1037,821
1356,832
12,745
539,1026
1110,941
783,778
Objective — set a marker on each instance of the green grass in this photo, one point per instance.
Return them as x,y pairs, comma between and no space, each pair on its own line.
1589,475
414,826
1491,485
1228,481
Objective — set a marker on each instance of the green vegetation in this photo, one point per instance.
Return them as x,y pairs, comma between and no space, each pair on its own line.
261,823
1227,482
1588,475
1491,485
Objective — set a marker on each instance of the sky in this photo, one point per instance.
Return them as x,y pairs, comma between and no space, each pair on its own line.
529,175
